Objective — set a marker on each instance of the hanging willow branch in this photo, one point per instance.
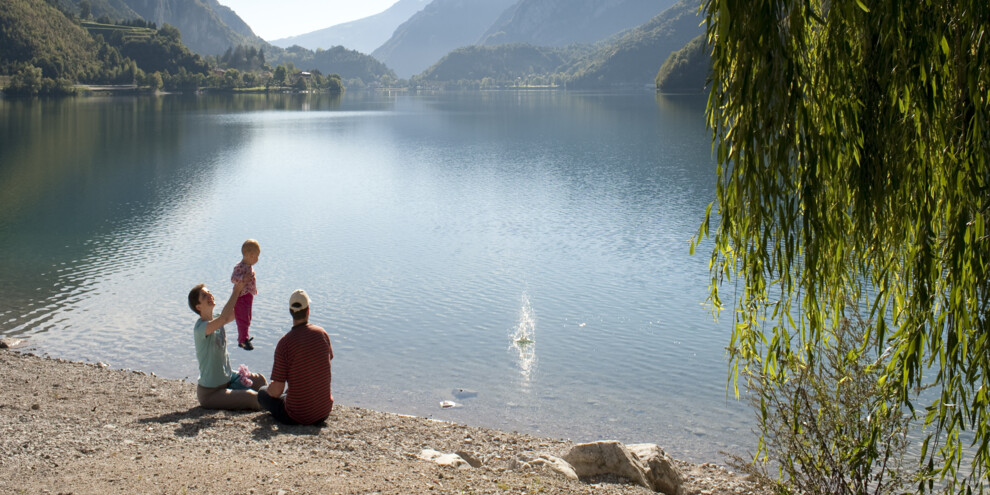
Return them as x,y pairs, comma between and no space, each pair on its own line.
853,146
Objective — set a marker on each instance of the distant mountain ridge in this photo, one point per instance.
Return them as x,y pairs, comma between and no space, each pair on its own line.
435,31
563,22
632,58
363,35
629,59
500,63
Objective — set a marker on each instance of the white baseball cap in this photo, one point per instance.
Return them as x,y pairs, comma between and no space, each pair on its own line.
298,300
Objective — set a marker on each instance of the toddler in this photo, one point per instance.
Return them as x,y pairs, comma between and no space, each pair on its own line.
244,271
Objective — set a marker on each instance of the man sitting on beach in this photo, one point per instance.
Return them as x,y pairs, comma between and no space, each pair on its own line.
302,360
218,387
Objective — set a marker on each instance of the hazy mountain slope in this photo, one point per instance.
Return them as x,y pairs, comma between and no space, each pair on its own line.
231,19
207,27
439,28
562,22
500,63
363,35
634,57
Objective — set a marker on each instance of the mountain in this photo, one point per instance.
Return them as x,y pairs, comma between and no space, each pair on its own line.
686,70
633,57
501,63
363,35
562,22
116,10
34,32
439,28
207,27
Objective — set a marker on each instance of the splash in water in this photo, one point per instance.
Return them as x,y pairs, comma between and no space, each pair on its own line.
524,337
526,327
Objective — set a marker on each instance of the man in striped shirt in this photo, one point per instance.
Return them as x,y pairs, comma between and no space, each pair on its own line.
302,360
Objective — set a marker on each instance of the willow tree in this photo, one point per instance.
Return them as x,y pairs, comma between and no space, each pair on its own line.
853,143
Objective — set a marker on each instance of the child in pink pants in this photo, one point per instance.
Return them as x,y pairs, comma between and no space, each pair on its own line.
250,251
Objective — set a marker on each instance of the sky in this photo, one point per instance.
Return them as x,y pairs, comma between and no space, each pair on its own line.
274,19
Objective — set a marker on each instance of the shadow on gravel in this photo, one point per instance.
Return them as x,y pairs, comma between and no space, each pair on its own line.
267,428
201,420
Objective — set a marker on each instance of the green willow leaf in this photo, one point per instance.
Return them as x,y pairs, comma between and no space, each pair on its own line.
853,169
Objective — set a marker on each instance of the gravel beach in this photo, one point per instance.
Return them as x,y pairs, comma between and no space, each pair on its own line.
69,427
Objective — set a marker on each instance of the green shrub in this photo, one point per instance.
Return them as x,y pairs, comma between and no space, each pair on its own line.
827,426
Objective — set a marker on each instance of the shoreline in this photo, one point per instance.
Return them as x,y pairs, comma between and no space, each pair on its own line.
86,428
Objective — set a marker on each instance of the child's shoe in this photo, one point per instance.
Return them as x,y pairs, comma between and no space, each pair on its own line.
247,345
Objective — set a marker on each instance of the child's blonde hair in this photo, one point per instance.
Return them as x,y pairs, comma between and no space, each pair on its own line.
250,246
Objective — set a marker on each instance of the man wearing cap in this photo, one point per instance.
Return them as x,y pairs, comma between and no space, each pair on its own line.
302,360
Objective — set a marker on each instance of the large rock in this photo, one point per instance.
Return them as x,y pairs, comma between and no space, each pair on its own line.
660,470
542,460
557,465
606,457
452,460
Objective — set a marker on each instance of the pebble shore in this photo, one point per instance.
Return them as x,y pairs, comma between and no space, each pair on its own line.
80,428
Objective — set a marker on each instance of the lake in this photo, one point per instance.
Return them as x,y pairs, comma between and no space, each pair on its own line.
531,248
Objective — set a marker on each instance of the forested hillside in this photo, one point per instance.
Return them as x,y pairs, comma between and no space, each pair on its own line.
633,57
363,35
444,25
32,32
686,70
43,50
357,69
207,27
502,65
112,10
563,22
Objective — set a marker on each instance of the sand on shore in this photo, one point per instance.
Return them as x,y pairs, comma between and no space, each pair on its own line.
68,427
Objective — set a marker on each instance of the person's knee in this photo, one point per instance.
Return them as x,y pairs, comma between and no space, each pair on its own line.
259,381
264,399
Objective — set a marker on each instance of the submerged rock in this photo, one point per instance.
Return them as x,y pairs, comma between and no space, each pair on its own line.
461,393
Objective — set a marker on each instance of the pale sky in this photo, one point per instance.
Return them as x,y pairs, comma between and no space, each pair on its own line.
274,19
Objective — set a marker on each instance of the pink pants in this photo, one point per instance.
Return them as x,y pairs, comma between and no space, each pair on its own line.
242,314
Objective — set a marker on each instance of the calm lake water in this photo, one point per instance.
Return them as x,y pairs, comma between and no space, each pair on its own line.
432,232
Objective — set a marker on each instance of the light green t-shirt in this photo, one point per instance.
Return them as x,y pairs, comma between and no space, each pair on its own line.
211,352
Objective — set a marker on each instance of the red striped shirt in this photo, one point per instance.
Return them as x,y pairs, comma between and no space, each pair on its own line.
302,360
